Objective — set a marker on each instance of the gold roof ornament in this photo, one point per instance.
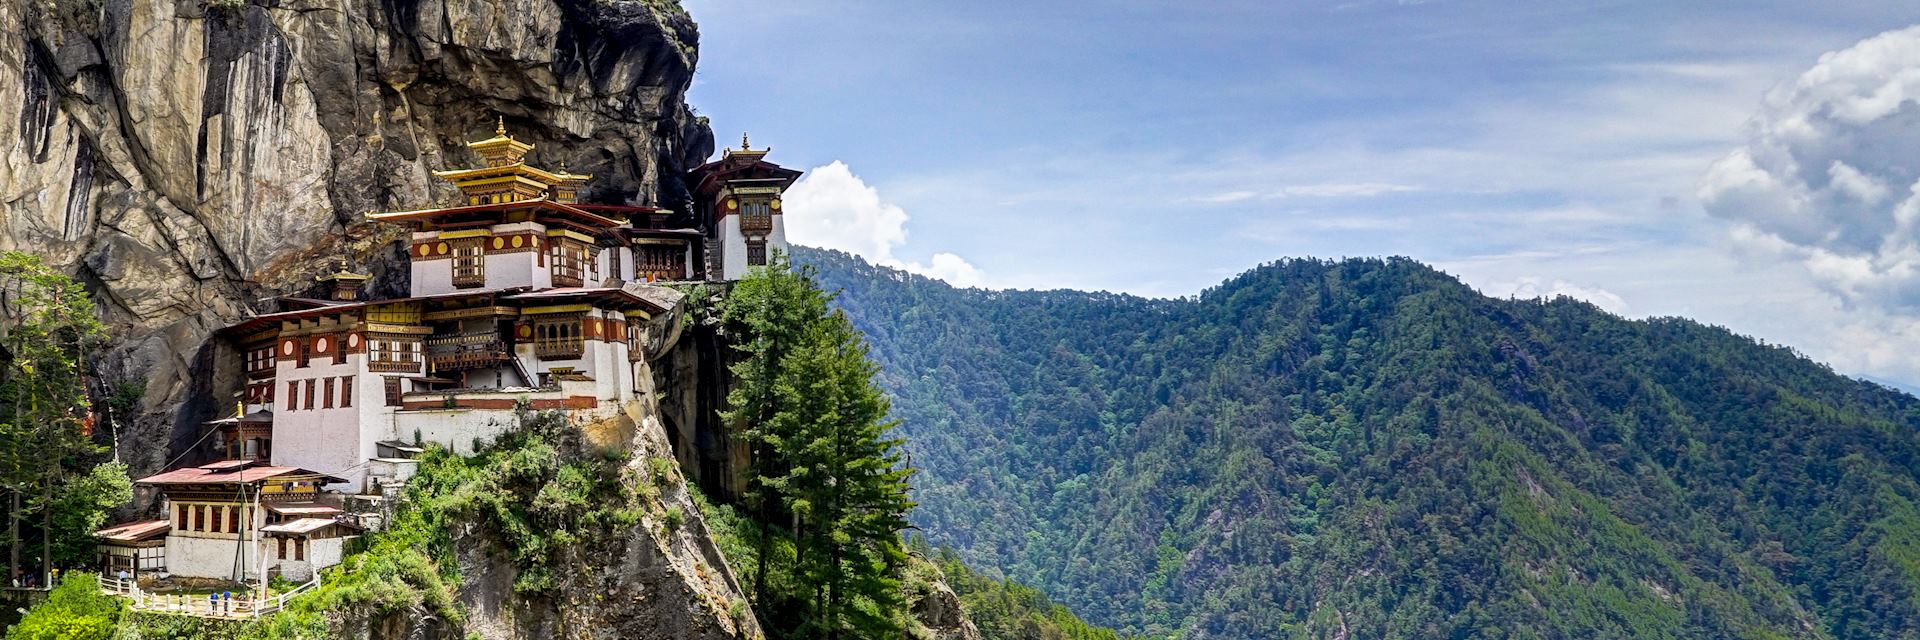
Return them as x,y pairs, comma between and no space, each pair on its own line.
746,148
501,149
342,274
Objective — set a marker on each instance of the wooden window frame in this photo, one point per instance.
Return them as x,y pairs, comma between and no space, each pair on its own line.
293,395
559,336
756,252
393,355
469,262
756,215
307,392
570,263
346,392
326,395
395,392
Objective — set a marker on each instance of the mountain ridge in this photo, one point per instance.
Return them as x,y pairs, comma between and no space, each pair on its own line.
1371,448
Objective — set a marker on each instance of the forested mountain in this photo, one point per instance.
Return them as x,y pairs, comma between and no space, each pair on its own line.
1369,448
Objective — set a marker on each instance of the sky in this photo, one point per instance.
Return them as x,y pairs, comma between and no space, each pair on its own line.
1747,164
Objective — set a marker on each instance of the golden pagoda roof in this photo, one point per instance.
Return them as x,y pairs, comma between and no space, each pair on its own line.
746,149
500,142
341,273
521,168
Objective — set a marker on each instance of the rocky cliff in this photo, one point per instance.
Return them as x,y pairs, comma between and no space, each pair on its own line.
190,158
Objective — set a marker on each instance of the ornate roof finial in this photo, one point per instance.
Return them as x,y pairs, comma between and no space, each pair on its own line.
500,125
743,142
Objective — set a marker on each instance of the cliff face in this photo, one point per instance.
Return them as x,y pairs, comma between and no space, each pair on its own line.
190,158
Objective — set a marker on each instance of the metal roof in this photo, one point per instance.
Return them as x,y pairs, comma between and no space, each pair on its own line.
223,473
135,531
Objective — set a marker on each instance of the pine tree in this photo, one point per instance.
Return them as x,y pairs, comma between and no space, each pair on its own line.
47,326
823,462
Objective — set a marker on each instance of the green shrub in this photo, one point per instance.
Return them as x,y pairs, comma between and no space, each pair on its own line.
76,610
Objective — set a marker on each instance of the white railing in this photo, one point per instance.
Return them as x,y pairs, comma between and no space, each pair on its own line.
202,605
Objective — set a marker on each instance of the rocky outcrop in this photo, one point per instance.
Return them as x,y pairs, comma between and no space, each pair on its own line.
189,158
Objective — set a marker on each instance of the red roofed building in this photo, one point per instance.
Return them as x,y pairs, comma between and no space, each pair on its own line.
215,518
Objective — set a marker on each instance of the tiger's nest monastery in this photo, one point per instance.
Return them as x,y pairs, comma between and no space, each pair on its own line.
520,293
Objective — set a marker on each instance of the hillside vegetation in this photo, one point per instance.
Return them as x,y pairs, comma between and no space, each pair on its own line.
1369,448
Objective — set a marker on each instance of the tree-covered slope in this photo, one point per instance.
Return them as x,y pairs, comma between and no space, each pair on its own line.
1369,448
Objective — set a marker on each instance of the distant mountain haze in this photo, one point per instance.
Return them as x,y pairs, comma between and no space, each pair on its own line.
1370,449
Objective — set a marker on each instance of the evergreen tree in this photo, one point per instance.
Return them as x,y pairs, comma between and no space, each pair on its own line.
823,462
47,327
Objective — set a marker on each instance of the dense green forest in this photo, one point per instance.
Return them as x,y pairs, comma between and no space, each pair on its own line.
1369,448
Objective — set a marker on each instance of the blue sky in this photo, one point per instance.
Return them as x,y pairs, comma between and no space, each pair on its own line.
1627,153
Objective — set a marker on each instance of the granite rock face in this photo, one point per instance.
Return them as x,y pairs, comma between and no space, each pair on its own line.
191,158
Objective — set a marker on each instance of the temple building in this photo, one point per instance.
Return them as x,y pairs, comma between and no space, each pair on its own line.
519,293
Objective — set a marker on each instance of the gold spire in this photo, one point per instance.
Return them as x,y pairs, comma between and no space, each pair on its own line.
499,125
743,142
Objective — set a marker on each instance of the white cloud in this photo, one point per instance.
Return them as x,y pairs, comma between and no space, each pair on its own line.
1828,174
834,209
1527,287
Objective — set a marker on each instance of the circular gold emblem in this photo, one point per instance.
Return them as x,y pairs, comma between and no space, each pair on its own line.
525,331
499,243
518,240
732,204
775,204
425,250
440,249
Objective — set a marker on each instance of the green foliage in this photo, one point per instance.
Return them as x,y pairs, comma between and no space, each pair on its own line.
76,610
82,506
1368,448
1003,610
823,466
48,326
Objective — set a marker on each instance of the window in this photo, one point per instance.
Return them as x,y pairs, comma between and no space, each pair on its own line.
557,336
570,262
233,519
180,517
469,262
306,351
393,392
659,262
260,360
293,395
756,215
636,341
756,252
281,543
299,549
309,394
389,354
346,392
326,397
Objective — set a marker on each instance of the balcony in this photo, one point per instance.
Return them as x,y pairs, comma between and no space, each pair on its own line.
467,351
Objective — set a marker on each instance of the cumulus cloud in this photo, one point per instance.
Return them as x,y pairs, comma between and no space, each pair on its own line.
1537,287
834,209
1828,173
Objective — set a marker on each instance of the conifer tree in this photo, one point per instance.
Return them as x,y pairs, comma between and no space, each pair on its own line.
47,326
823,461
